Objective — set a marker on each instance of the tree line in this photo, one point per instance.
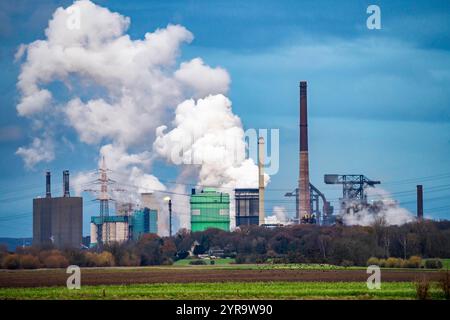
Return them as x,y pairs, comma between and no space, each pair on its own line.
339,245
350,245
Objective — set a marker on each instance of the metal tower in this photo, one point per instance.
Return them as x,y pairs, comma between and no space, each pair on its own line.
353,185
318,216
103,198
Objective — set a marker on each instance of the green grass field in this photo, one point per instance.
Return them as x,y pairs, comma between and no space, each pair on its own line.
228,263
219,262
445,264
229,290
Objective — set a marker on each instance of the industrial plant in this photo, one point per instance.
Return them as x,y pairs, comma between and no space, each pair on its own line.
129,223
58,221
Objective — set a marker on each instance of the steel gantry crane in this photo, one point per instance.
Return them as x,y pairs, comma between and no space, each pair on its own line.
353,185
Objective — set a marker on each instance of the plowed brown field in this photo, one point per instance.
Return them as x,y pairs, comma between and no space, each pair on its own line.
110,276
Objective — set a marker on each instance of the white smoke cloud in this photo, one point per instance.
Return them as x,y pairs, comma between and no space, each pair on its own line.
279,216
208,135
381,208
117,91
209,140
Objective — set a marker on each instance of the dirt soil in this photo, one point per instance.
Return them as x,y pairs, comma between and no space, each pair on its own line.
110,276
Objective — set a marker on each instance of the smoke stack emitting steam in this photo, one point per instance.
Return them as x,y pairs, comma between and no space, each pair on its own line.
261,179
304,206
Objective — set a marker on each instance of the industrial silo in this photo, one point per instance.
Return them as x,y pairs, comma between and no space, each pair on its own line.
210,209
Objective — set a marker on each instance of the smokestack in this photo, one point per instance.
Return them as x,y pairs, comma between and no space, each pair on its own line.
419,202
48,191
261,179
66,183
304,208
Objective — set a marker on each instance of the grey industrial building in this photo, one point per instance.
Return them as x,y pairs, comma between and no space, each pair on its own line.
247,206
58,221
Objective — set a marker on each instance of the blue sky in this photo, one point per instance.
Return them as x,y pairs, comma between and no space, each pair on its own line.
379,100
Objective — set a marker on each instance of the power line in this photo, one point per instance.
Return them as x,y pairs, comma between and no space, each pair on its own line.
427,178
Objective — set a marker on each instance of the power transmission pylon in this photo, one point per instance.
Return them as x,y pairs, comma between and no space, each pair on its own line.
104,198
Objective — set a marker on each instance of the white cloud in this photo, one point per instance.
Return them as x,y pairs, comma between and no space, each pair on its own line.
34,102
20,52
39,150
203,79
117,159
97,25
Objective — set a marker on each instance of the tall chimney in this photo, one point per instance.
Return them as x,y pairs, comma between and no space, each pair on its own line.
48,190
304,208
66,183
419,202
261,179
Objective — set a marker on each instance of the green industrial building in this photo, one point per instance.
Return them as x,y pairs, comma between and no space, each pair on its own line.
144,221
210,209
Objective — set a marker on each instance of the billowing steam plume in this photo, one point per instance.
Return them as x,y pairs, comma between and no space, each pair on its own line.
207,134
381,208
279,216
209,138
